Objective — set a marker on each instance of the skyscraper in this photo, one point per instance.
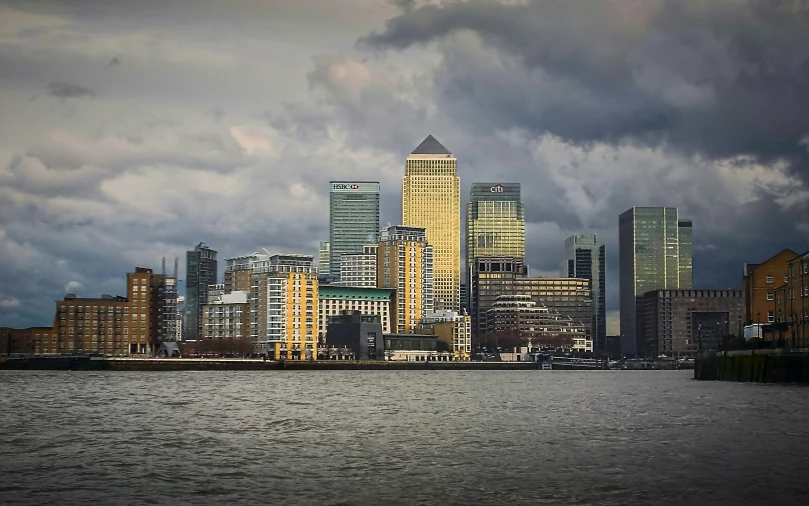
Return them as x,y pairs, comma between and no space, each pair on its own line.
323,258
655,254
353,219
431,198
495,222
585,258
199,273
405,262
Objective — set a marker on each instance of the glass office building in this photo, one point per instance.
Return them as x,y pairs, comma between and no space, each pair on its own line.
585,258
353,219
655,254
495,222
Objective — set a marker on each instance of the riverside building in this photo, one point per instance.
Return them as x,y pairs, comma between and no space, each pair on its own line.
201,271
405,263
334,301
431,199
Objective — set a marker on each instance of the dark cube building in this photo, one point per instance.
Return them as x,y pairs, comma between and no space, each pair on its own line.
362,334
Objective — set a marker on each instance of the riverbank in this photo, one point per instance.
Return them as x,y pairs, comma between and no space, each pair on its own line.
234,364
761,366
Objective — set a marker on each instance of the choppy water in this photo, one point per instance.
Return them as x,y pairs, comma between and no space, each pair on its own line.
399,437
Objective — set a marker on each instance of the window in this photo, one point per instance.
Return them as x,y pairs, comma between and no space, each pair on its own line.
769,279
770,296
770,316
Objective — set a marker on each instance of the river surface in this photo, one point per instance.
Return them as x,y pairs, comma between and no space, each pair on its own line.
399,437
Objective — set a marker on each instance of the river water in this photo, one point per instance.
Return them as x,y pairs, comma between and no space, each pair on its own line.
399,437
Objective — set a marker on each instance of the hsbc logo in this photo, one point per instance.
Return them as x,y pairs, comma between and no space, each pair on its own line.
353,186
498,188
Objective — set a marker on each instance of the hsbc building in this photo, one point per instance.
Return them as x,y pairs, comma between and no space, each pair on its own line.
353,219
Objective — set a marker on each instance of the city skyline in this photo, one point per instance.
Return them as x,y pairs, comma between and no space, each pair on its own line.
132,144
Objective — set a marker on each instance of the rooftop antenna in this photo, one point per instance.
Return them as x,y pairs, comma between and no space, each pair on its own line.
164,266
267,252
176,261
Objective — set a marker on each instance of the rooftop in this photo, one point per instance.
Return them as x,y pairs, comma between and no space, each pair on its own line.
430,146
353,292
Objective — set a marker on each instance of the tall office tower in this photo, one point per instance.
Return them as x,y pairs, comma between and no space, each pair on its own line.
359,269
431,198
405,262
200,271
353,219
323,257
585,258
495,222
655,254
283,304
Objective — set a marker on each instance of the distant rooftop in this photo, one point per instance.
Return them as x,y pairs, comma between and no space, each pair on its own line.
430,146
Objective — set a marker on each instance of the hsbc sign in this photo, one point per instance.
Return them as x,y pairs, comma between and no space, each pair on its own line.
362,187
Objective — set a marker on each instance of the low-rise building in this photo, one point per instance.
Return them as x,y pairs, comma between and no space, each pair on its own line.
679,323
760,282
451,329
414,348
354,336
334,300
226,316
32,340
96,325
792,302
518,316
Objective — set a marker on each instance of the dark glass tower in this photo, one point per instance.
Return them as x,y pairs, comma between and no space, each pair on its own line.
585,258
200,271
353,219
655,252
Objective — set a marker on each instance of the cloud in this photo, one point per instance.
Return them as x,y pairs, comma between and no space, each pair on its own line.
718,79
9,302
114,62
67,90
72,286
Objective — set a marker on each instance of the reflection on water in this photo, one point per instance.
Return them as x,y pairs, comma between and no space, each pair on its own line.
399,437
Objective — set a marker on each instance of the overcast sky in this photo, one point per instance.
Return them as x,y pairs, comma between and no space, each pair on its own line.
133,130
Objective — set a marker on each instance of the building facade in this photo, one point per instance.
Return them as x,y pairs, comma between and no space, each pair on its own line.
94,325
201,271
493,277
334,301
792,306
354,336
453,330
759,284
353,219
405,263
238,271
487,279
585,258
431,199
359,269
227,316
495,221
32,340
282,307
655,253
535,325
678,323
323,257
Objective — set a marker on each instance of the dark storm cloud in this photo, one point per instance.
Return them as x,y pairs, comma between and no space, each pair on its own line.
68,90
715,78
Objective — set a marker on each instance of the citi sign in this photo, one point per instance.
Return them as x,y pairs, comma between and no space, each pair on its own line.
353,186
498,188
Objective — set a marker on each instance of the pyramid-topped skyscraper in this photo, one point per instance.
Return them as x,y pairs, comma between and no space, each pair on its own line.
431,198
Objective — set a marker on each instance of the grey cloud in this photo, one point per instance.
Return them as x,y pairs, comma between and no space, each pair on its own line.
717,78
67,90
112,63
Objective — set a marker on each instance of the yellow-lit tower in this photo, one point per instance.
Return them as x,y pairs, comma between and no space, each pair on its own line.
431,198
